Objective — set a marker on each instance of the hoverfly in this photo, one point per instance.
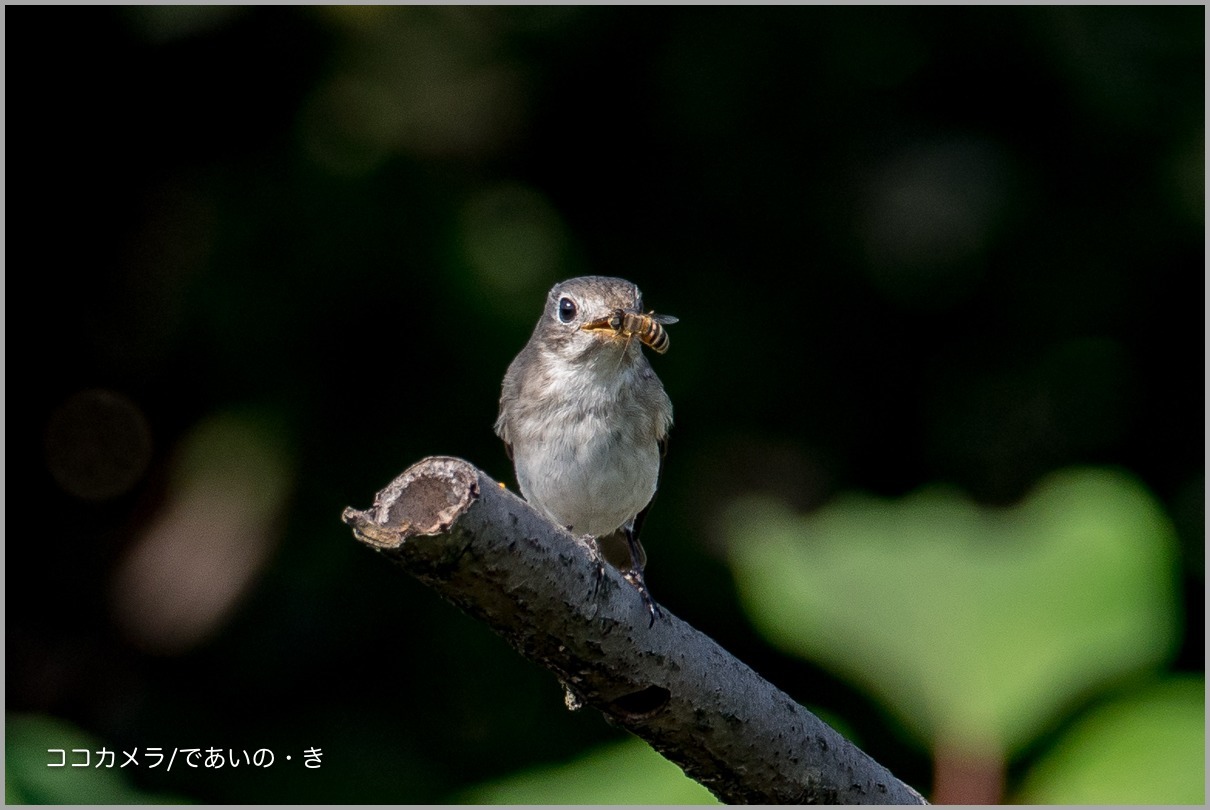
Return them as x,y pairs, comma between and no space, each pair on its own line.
649,328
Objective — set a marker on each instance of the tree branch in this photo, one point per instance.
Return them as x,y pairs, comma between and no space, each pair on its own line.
488,552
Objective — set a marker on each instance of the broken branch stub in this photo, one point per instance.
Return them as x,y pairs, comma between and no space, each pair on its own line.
548,594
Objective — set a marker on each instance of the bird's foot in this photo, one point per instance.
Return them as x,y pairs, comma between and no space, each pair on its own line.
635,578
590,543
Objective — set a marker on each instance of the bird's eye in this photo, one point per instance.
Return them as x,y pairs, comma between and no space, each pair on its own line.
567,310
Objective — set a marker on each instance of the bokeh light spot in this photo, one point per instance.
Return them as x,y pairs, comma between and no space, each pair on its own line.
98,444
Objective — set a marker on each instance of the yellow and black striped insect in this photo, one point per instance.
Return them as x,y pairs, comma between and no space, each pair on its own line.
649,328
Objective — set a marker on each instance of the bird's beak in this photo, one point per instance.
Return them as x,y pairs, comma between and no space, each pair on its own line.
606,324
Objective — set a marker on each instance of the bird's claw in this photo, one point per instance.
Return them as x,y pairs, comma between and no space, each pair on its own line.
635,578
598,577
590,543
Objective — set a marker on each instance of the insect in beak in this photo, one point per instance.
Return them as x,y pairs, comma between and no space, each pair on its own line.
610,323
648,328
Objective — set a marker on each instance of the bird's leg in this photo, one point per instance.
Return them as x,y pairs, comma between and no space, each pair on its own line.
591,543
634,575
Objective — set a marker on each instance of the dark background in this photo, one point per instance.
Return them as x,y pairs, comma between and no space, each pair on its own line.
905,246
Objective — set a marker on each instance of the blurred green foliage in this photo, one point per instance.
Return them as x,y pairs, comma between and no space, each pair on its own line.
909,247
977,628
28,779
1145,746
973,626
627,772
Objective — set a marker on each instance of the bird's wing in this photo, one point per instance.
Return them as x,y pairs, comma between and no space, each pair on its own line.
638,519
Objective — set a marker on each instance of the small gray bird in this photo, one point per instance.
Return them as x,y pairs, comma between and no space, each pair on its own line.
585,420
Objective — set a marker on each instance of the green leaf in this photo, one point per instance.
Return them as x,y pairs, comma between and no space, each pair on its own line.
977,626
1147,747
29,779
629,772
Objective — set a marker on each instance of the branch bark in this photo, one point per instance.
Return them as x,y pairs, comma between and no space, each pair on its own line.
488,552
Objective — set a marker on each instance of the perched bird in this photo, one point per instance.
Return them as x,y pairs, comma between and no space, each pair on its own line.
585,420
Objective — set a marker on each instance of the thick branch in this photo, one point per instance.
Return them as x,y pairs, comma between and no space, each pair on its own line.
543,590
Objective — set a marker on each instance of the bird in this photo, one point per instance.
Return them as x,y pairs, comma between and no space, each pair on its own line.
585,419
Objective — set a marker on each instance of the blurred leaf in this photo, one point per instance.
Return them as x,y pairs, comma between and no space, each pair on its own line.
629,772
1148,747
514,241
212,538
28,779
975,626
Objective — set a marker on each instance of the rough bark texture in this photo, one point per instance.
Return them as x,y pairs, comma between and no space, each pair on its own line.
485,550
